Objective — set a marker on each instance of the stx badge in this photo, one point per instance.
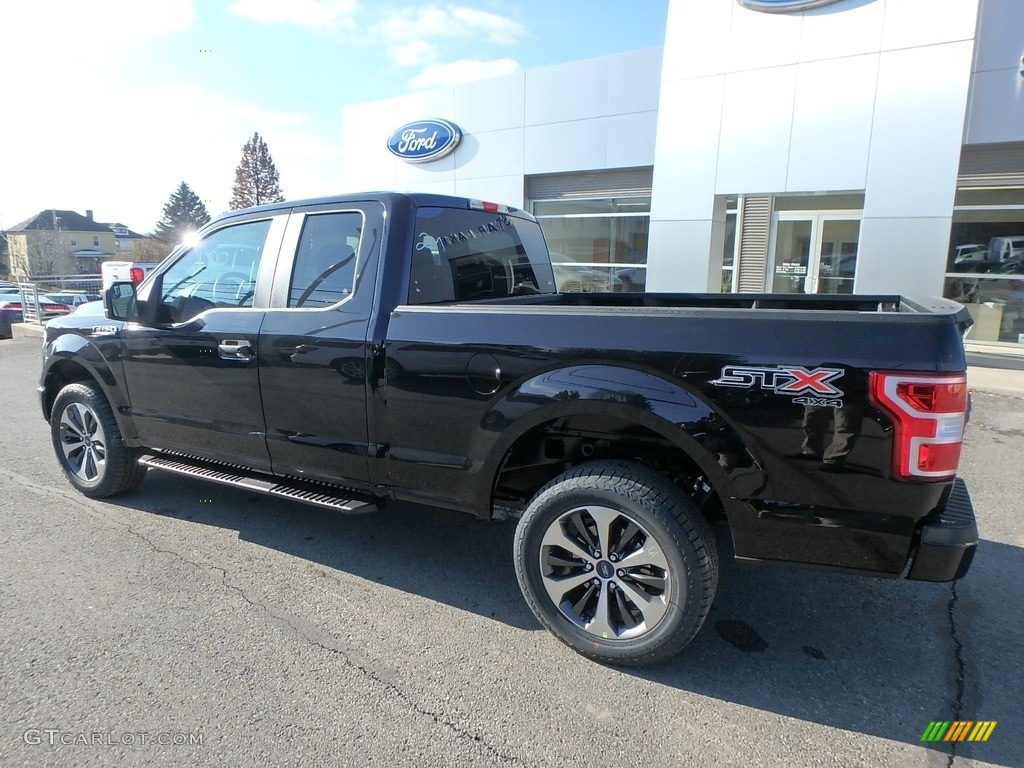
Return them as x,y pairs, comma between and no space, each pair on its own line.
807,387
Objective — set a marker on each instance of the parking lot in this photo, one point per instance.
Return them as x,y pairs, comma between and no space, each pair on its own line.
192,624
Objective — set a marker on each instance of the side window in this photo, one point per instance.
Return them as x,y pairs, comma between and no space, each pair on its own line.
325,265
220,271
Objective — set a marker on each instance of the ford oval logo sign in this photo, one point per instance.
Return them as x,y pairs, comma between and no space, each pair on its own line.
783,6
424,140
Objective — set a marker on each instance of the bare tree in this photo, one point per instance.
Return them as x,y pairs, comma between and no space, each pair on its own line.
256,178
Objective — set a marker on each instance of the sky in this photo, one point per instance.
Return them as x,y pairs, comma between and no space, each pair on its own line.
110,104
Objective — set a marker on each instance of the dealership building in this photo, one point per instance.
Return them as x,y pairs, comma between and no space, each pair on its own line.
869,146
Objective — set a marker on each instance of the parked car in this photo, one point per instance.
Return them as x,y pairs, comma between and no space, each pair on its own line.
73,299
1002,249
415,348
11,312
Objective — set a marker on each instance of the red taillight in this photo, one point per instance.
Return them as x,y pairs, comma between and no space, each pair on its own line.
929,413
136,274
482,205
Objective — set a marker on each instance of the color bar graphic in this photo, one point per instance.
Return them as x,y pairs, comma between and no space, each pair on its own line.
958,730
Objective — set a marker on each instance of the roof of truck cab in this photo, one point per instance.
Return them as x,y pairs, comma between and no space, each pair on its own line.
418,198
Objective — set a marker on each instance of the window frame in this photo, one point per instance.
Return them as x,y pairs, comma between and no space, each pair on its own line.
264,271
294,260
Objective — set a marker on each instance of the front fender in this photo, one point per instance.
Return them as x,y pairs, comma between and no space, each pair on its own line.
661,405
71,357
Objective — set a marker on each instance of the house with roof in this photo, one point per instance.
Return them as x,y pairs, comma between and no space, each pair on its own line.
60,242
125,238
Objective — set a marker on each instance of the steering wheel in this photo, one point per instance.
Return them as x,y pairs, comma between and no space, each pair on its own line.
231,284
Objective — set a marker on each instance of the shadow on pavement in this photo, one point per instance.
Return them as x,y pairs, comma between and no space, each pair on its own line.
874,656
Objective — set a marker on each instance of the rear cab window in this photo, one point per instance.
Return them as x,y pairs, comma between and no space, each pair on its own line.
466,254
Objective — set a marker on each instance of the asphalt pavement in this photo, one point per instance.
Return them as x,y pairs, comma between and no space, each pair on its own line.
190,624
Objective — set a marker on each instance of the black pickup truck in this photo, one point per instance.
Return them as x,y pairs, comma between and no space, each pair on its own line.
354,350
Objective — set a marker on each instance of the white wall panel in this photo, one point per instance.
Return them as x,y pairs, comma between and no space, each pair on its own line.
686,155
631,140
437,187
695,35
496,189
927,22
438,102
832,124
902,255
415,173
366,162
492,104
918,127
497,153
996,110
572,91
678,256
756,126
575,146
844,30
633,82
760,40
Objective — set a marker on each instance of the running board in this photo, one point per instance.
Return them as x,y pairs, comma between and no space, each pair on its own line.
307,491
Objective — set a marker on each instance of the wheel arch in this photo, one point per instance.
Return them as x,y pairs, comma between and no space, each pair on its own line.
74,360
637,413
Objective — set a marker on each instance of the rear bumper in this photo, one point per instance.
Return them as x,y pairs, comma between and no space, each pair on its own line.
947,539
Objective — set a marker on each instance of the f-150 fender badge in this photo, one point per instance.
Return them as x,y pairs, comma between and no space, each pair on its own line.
104,330
805,386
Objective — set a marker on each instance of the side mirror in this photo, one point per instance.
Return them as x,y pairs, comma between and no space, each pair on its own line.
119,301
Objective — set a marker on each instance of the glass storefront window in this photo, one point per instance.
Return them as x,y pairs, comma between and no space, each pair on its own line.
597,244
996,304
729,247
985,263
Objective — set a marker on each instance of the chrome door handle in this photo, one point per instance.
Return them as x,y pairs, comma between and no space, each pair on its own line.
235,349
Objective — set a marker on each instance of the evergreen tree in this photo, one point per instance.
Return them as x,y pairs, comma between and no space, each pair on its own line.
183,213
256,178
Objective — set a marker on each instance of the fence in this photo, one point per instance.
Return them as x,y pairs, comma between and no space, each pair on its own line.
65,283
34,292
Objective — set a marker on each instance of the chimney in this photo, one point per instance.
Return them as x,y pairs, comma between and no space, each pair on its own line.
88,214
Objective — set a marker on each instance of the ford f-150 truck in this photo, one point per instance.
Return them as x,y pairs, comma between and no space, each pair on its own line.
355,350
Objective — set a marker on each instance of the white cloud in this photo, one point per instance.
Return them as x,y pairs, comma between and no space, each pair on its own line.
125,168
414,53
306,13
463,71
403,24
45,38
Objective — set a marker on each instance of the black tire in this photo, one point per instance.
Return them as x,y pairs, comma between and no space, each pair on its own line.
655,605
89,445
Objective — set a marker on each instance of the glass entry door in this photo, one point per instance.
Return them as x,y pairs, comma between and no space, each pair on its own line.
815,252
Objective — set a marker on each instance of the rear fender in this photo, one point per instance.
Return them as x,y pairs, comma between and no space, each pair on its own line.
650,401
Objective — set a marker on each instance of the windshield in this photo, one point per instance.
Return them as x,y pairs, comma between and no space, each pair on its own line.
463,254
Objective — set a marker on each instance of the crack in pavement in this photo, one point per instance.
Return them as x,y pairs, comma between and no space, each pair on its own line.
293,624
958,655
307,635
